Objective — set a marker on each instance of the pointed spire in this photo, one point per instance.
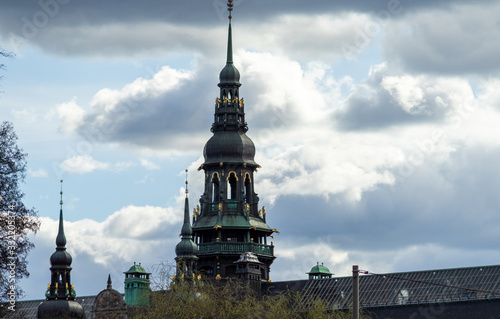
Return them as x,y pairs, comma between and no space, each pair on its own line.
229,74
109,286
186,231
61,238
186,248
230,36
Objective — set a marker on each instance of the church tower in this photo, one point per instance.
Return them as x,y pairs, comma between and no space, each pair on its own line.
230,222
60,295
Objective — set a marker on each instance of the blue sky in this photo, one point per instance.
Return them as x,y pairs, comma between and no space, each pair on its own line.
375,123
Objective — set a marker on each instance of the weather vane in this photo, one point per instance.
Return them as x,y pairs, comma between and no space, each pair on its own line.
230,8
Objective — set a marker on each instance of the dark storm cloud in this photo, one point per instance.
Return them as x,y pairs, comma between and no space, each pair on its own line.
167,120
459,40
201,12
95,27
451,204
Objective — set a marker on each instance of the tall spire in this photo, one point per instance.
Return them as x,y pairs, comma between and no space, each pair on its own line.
187,231
229,74
60,262
60,292
61,238
186,250
230,36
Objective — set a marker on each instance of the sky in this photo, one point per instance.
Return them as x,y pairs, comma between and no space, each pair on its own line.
375,123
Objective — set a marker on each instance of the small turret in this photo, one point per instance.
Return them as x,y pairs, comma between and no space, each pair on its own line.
137,286
319,272
60,293
186,250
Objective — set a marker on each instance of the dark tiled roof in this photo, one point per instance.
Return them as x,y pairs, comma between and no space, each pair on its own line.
29,308
417,287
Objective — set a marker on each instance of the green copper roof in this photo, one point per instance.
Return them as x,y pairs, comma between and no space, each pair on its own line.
319,270
230,221
137,269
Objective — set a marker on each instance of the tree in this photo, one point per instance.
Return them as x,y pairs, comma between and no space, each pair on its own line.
230,299
5,55
16,219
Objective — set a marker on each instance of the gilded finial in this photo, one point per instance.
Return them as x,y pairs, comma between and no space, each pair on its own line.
230,8
187,191
61,202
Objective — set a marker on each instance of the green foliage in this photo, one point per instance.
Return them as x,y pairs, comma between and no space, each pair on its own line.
227,300
16,219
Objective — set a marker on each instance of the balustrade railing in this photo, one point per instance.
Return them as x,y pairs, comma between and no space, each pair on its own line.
234,248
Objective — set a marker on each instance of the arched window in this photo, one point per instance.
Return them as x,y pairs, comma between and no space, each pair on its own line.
232,182
248,188
215,188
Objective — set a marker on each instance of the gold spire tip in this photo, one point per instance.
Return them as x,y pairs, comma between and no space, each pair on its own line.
230,8
61,202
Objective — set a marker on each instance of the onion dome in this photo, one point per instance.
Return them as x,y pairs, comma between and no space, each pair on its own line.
229,147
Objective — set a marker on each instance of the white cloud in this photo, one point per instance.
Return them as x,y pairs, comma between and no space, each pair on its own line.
166,79
149,165
121,166
26,115
312,37
70,114
427,95
39,173
131,233
82,164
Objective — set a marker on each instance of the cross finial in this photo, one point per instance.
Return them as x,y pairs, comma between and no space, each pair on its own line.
230,8
61,202
187,182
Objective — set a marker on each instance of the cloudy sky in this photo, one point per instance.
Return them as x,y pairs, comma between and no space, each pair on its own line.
375,123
